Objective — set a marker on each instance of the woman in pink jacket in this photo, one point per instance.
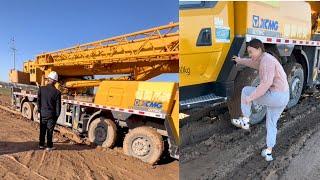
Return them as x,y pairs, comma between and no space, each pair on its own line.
272,92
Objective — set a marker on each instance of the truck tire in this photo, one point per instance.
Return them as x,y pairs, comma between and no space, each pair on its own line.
35,114
144,143
27,110
246,77
103,132
295,76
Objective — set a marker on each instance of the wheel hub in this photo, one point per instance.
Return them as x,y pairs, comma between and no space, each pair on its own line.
257,107
100,134
141,146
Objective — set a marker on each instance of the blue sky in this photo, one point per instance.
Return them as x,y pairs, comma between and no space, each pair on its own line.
47,25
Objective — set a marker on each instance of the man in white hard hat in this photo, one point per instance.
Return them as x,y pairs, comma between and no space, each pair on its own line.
49,107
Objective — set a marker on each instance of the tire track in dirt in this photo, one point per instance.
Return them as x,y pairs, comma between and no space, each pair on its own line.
27,158
19,138
304,162
29,170
234,154
58,164
41,160
100,173
5,172
294,134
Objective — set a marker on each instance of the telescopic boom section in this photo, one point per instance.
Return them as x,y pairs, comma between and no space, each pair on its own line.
143,55
315,15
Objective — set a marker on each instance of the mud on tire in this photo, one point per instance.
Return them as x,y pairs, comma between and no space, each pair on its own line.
246,77
103,132
27,110
295,75
35,114
144,143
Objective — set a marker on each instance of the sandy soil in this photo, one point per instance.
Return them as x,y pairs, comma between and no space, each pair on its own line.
231,153
5,100
20,158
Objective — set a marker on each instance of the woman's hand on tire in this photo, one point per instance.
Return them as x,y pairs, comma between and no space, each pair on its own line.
236,59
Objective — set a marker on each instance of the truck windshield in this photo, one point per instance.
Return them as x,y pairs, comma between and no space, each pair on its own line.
196,4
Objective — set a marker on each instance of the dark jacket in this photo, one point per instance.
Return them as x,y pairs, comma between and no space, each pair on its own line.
49,102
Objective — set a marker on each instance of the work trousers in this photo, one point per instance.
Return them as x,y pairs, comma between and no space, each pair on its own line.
275,103
46,128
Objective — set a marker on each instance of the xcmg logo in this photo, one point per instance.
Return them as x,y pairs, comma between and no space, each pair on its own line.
268,24
148,104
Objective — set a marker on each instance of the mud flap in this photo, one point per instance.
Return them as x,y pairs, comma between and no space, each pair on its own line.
173,144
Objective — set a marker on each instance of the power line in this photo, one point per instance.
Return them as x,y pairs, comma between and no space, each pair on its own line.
14,50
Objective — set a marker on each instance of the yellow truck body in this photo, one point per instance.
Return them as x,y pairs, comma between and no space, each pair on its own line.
159,97
211,32
147,96
275,19
198,64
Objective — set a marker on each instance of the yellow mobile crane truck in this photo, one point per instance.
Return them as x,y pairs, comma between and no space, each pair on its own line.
147,112
211,32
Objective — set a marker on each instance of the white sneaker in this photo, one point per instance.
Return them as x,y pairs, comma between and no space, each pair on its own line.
242,122
267,155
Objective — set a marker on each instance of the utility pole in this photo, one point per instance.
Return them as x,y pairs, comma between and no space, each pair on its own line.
14,50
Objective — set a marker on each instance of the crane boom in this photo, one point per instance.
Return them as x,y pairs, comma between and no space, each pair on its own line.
140,56
143,55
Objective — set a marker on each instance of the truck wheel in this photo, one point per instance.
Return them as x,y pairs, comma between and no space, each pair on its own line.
295,76
35,114
27,110
144,143
247,77
103,132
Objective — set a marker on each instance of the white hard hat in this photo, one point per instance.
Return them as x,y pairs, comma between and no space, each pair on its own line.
53,75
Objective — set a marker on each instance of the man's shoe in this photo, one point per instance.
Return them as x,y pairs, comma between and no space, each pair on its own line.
50,149
41,147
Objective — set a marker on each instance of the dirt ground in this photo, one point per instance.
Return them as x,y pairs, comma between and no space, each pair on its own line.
5,100
231,153
20,158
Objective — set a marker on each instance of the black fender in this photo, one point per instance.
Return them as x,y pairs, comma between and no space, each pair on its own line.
92,117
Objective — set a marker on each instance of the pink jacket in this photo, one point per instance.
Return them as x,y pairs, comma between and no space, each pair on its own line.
271,74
